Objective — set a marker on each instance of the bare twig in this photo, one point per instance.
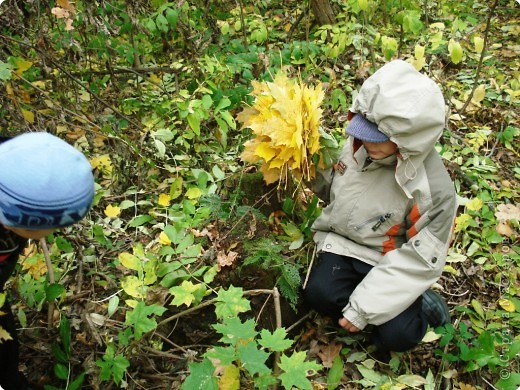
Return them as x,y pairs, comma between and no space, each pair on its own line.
489,384
162,353
482,54
75,80
211,302
299,322
52,279
278,316
310,267
296,23
242,21
93,94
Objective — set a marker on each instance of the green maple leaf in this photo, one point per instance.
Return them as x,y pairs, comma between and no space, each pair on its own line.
253,359
201,377
233,330
225,355
5,71
140,320
112,365
263,382
296,368
275,341
231,302
187,293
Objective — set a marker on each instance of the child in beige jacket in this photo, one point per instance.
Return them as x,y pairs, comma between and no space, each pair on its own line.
382,239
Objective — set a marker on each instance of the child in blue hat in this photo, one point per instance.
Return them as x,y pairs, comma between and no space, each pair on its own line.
45,184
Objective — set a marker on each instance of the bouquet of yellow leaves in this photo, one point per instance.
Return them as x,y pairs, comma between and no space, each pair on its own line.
285,119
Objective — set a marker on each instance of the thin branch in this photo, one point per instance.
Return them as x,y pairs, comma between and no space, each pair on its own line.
296,23
93,94
305,317
52,279
310,267
482,55
209,303
278,316
75,80
242,21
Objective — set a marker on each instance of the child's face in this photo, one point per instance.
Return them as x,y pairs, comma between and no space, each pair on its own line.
380,150
30,233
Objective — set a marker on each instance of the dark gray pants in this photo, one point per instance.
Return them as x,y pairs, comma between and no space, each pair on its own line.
332,280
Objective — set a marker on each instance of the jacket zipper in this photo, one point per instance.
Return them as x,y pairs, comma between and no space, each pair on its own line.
379,220
382,219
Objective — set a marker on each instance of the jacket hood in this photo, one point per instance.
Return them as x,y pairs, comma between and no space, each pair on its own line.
407,106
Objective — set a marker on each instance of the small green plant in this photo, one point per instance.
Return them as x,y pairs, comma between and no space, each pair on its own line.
113,365
63,354
490,350
244,355
269,256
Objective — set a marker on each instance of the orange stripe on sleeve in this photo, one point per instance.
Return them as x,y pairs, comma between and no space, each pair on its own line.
389,245
414,216
411,232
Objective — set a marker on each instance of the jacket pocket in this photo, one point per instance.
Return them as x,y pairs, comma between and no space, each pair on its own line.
429,248
375,222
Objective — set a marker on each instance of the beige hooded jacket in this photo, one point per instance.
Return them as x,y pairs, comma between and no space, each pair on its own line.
396,214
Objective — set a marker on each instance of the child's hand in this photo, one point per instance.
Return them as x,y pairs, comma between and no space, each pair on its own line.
346,324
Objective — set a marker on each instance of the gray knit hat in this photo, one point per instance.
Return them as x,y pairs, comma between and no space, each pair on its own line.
361,128
45,183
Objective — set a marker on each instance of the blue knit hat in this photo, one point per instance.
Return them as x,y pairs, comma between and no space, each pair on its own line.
45,183
361,128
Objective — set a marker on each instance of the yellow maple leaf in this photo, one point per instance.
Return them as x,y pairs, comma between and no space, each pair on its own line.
475,204
103,163
193,193
462,222
112,211
130,261
285,118
164,200
134,287
507,305
35,265
28,115
230,378
21,65
164,239
4,335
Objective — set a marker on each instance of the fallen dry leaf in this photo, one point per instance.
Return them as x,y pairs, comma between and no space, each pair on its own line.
60,13
225,260
505,212
328,353
504,229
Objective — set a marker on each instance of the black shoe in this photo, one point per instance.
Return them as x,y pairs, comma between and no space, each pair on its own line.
435,309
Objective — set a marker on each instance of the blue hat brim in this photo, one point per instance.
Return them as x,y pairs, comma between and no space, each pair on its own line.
361,128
